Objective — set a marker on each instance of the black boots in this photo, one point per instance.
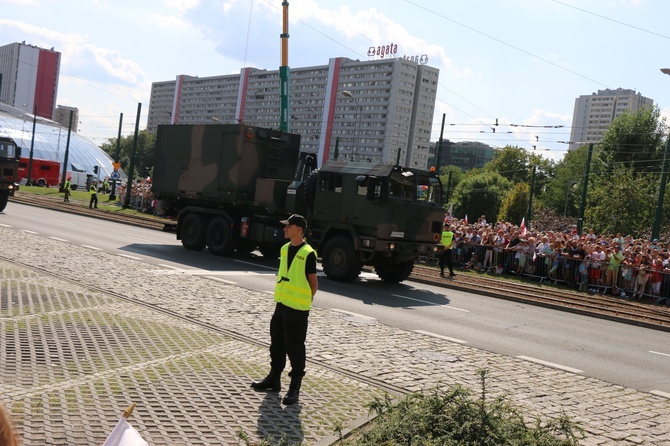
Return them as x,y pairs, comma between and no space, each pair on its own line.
293,393
271,382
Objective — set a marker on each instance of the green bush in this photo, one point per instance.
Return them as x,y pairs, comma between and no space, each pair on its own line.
455,417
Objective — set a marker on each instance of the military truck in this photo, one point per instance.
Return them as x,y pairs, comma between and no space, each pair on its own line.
10,154
228,186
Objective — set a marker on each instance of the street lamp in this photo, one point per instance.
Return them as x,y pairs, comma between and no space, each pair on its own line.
567,189
348,94
656,228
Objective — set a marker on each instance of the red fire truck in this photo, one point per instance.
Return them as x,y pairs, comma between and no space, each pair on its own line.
44,172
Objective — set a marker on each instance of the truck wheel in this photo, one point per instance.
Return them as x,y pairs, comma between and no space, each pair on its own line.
41,182
193,232
219,237
394,272
340,260
4,196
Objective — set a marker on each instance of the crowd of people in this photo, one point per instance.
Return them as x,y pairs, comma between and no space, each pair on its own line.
609,264
141,197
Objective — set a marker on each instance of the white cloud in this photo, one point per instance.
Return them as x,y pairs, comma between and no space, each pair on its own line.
181,5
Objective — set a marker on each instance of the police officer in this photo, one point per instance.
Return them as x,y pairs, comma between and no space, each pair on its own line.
94,196
447,240
66,188
294,293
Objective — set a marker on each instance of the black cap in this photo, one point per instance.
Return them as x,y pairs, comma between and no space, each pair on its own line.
297,220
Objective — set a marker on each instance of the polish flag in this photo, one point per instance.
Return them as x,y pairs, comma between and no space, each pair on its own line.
466,219
523,226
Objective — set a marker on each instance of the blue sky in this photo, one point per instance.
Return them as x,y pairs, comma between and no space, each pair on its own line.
522,62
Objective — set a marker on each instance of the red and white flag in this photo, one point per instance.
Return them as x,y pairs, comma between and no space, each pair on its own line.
466,219
523,226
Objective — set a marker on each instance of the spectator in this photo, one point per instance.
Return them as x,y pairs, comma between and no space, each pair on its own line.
641,276
614,260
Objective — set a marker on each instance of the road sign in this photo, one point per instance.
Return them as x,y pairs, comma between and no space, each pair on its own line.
115,175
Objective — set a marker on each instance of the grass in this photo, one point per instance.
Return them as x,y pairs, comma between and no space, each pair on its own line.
82,198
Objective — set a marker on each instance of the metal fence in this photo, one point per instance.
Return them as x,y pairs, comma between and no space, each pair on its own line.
588,275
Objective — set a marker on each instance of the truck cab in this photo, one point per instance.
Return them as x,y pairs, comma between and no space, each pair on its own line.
10,154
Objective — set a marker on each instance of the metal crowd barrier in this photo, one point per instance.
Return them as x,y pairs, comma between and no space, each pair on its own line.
627,281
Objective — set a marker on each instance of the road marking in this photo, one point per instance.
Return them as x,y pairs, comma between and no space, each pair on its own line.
432,303
29,232
550,364
255,265
129,257
91,247
64,222
58,238
661,394
362,316
228,282
5,226
446,338
145,240
659,353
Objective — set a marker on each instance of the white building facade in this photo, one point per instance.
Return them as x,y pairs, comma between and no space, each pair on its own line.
385,116
594,113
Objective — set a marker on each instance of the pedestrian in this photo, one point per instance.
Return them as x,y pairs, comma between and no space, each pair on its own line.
94,196
447,240
66,189
294,293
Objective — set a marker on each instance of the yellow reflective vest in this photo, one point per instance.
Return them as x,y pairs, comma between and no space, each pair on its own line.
447,239
292,287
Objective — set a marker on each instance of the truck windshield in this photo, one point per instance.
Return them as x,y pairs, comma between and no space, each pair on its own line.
7,149
414,186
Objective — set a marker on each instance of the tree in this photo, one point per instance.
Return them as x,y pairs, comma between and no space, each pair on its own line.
515,204
566,186
516,164
481,194
144,153
622,201
456,175
634,140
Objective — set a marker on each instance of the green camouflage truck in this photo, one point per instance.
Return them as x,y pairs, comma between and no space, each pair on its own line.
229,185
9,167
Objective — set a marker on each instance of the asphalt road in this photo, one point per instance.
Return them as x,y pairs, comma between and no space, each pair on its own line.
622,354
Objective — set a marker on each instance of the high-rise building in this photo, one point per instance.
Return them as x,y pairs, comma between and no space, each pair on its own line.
62,116
29,78
466,154
595,112
378,110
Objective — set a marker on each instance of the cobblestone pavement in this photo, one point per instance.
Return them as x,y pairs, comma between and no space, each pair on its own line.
84,333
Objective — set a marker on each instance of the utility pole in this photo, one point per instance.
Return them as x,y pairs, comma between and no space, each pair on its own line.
656,228
129,185
284,73
582,205
530,198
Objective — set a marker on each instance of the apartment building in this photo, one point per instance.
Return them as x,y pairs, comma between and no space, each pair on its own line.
377,110
29,78
594,113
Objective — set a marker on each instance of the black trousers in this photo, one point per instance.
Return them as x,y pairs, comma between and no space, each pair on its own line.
288,331
94,200
445,259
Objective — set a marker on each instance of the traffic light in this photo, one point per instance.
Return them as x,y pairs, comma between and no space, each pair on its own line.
95,169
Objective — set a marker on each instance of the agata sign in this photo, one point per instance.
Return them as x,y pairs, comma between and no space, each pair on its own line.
391,50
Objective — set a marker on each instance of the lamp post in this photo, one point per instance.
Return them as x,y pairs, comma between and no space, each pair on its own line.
656,228
348,94
567,190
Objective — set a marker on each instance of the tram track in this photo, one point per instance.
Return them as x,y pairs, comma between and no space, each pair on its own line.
385,386
542,294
